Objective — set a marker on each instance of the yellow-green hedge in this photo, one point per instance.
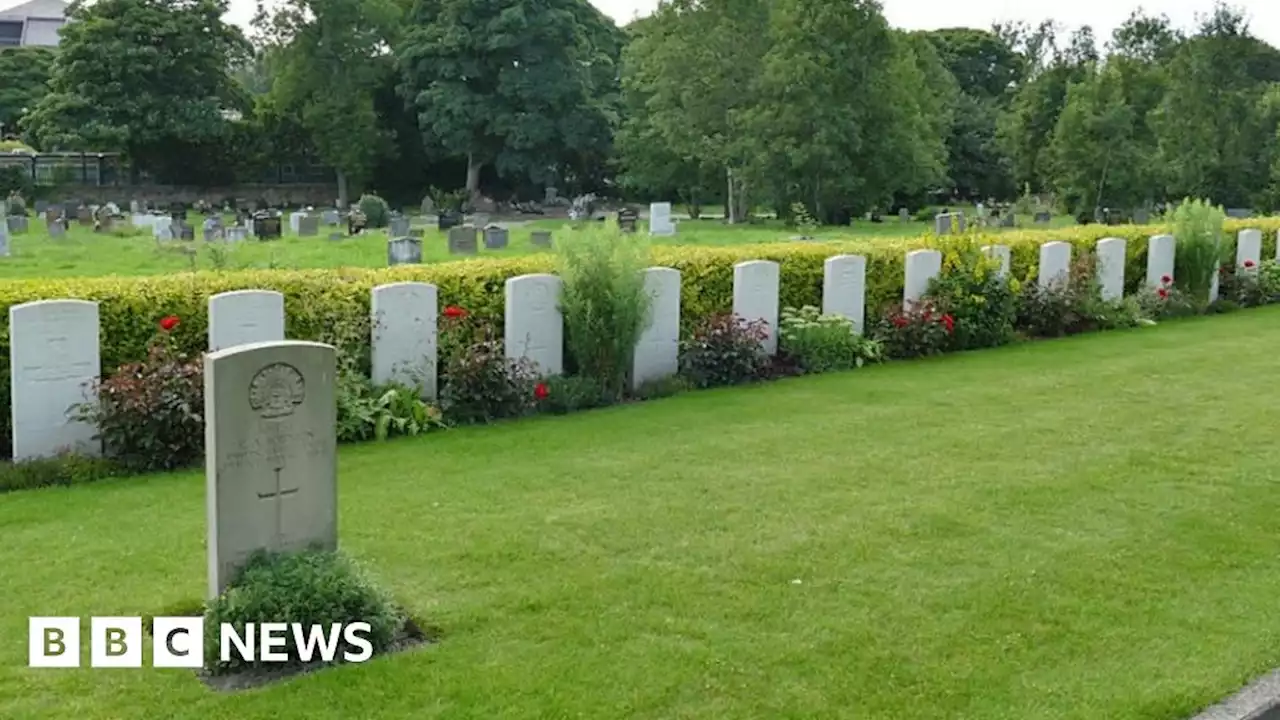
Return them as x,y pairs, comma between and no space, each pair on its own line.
318,300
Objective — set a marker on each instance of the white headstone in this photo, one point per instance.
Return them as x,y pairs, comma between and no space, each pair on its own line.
142,220
1001,253
657,351
53,365
243,317
4,239
1248,247
1160,254
404,251
295,221
404,317
755,296
1110,267
660,219
920,267
162,227
1055,263
534,327
271,472
844,288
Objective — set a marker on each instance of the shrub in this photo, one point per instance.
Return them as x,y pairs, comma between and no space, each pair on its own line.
150,414
564,394
981,302
480,383
313,587
15,184
925,215
1252,285
725,350
661,387
1060,308
62,470
1197,228
1167,301
913,330
377,212
368,411
823,343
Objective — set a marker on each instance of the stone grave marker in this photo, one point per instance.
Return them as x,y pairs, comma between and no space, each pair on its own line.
919,268
271,472
1008,220
627,220
41,207
84,216
398,226
53,365
1141,216
1110,260
660,219
533,325
186,232
57,229
1042,217
947,223
755,296
17,224
1239,213
309,226
331,217
244,317
904,215
4,240
404,319
448,219
134,207
50,216
404,251
267,227
1248,249
462,240
1160,255
294,220
1055,264
657,351
495,238
1000,253
541,238
844,288
235,234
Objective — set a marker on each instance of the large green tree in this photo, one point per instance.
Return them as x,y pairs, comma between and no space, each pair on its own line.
149,78
24,79
1094,160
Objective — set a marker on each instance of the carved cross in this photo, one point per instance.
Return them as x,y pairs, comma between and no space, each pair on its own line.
278,495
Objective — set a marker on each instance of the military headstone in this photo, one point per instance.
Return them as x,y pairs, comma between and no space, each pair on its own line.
656,355
1160,259
920,267
53,365
844,288
404,320
271,473
404,251
534,327
495,238
1055,264
462,240
1110,268
241,317
755,296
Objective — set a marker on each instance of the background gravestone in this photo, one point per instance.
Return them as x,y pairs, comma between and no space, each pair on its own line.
308,226
57,229
4,240
755,296
17,224
398,227
462,240
904,215
495,238
243,317
53,365
533,326
844,288
660,219
404,251
404,319
1042,217
331,217
656,355
541,238
271,473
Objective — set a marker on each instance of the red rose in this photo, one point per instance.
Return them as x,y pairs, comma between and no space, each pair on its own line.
453,311
899,321
168,322
950,322
1166,279
541,391
1248,263
1162,293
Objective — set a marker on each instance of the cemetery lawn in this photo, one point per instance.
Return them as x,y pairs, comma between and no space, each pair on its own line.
1081,529
82,253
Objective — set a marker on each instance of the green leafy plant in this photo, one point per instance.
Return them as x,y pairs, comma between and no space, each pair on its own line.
823,343
16,202
565,394
913,330
661,387
1197,229
603,301
377,212
980,300
803,219
60,470
310,588
725,350
1252,285
1061,308
150,414
1167,301
480,384
376,412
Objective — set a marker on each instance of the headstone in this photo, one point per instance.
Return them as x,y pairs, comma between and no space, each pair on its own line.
534,327
919,267
1110,254
904,215
267,227
495,238
17,224
1000,253
186,232
627,220
162,228
541,238
946,223
1043,217
142,220
134,207
657,351
84,216
51,216
58,229
1239,213
53,365
404,321
331,217
660,219
404,251
462,240
244,317
1160,255
294,220
1008,220
1248,248
271,472
398,227
844,288
1055,264
755,296
41,206
309,226
448,219
1141,216
236,233
4,240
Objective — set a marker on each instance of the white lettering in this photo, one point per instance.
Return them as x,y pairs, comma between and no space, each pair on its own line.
273,636
229,637
352,634
306,644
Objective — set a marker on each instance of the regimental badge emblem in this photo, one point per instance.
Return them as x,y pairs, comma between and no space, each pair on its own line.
276,391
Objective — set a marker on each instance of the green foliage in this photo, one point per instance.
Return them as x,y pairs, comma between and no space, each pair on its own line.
981,302
911,331
1252,285
24,79
566,394
376,412
661,388
823,343
376,210
724,350
1073,305
1199,251
310,588
480,383
603,301
58,471
15,202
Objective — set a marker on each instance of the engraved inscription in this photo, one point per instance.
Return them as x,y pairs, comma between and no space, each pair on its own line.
276,391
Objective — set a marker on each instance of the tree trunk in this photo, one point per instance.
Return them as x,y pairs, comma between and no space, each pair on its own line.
473,176
729,214
342,190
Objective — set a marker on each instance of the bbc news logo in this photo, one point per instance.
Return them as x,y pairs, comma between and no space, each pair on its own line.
178,642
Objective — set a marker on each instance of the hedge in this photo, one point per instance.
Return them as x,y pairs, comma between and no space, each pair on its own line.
319,303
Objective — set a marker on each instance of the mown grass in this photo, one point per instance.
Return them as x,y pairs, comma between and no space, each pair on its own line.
1076,529
82,253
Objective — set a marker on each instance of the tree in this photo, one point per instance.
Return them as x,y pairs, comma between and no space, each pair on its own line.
24,79
507,83
148,78
328,57
1093,157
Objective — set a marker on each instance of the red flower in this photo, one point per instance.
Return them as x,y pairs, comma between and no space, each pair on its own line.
1162,293
950,322
453,311
168,322
899,321
1248,263
1166,279
541,391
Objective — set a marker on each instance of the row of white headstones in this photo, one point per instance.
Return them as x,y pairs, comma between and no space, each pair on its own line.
55,357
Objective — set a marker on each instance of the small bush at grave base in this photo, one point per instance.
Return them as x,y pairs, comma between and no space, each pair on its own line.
376,211
62,470
1252,285
661,387
916,330
725,350
480,384
376,412
823,343
982,302
563,394
311,588
1062,308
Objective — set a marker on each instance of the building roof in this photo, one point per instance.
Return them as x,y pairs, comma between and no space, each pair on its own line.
36,9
